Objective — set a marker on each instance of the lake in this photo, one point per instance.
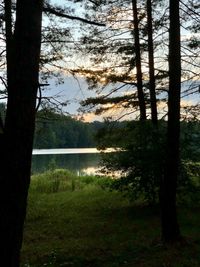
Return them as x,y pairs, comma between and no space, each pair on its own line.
78,160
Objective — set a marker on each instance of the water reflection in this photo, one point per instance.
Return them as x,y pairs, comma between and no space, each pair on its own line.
78,163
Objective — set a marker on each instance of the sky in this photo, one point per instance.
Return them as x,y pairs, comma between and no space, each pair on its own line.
75,90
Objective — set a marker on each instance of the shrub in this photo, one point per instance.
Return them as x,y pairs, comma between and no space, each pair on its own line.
189,183
52,181
140,161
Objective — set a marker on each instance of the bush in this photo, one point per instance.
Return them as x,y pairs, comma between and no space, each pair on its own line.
140,162
189,183
52,181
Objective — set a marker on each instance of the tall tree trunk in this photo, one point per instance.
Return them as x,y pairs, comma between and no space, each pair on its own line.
141,99
170,227
152,86
9,34
23,52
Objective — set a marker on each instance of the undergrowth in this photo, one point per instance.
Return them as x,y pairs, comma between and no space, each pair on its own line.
77,222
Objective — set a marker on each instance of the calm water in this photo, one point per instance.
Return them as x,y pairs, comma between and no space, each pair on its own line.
83,160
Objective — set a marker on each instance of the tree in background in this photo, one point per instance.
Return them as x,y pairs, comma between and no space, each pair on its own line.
116,59
152,80
54,130
114,45
23,41
138,65
120,44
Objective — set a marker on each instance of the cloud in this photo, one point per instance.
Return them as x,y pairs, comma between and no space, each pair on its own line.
89,117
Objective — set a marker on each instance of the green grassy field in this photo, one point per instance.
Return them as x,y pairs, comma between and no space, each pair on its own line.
75,222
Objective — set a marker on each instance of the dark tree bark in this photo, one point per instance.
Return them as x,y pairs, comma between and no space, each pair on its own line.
170,227
23,52
152,86
141,99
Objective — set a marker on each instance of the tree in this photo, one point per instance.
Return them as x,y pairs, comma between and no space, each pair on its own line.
59,36
125,45
141,99
116,58
152,82
115,46
23,41
170,227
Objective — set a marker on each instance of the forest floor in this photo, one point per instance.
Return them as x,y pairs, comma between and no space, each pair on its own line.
93,227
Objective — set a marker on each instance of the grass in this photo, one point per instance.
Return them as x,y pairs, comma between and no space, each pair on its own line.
76,222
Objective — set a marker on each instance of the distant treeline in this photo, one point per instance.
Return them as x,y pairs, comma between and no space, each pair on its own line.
55,130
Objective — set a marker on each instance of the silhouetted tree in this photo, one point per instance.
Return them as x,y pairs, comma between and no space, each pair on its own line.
141,99
23,40
170,227
152,82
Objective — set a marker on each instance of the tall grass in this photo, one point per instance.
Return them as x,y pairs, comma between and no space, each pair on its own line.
59,180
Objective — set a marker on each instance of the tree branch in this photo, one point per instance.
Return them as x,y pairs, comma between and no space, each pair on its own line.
60,13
